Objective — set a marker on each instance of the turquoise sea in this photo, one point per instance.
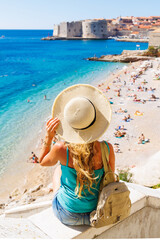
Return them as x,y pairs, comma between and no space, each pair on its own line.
31,68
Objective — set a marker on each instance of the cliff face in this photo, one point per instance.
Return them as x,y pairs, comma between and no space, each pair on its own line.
126,56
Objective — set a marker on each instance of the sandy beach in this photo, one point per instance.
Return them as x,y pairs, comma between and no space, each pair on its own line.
144,118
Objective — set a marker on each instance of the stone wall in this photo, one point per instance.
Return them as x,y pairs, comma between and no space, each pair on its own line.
154,38
142,33
68,29
56,31
123,33
74,29
63,30
143,221
94,29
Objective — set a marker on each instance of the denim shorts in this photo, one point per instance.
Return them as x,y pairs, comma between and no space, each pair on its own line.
69,218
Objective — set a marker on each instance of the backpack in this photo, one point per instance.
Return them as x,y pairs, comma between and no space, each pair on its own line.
114,203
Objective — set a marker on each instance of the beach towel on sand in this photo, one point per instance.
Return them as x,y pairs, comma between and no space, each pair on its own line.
137,113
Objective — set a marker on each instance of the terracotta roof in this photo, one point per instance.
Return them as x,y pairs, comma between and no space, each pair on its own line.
135,32
144,17
125,28
144,26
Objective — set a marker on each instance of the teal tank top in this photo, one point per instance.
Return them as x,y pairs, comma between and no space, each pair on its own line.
66,194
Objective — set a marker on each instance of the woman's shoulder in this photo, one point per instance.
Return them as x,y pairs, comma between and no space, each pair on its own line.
59,151
59,147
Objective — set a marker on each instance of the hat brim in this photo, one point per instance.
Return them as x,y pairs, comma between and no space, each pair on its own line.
103,114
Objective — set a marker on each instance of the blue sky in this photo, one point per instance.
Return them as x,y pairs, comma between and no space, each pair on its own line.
43,14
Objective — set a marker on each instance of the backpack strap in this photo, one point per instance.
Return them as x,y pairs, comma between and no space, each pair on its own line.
109,174
67,157
105,156
107,146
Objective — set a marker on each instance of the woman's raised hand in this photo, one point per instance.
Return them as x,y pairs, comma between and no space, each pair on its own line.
51,127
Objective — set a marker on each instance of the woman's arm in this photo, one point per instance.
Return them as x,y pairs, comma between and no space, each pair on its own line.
52,157
111,157
45,154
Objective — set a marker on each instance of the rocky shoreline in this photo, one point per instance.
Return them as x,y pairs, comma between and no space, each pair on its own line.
126,56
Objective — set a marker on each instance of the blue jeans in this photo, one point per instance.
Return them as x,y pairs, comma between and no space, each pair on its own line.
69,218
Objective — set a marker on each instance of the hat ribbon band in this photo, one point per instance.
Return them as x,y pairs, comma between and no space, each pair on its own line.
92,121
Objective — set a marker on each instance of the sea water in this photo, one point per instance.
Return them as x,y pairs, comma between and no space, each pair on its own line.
30,69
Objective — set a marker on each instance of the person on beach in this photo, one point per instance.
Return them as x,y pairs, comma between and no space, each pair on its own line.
125,119
142,139
33,158
121,111
153,97
81,114
117,148
129,117
118,93
119,134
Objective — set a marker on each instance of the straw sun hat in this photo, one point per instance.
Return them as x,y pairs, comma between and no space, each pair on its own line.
84,113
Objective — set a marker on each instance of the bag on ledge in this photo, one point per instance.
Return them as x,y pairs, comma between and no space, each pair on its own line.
114,203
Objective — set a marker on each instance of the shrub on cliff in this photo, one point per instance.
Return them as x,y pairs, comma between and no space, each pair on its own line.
152,52
156,186
125,175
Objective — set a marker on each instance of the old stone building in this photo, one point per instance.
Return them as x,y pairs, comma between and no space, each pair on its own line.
68,29
154,38
104,28
56,32
95,29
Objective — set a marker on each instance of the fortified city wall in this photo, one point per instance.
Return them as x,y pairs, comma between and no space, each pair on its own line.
94,29
154,38
68,29
63,29
74,29
83,29
56,30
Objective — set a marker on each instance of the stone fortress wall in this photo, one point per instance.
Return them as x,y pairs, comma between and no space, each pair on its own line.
68,29
154,38
91,29
56,30
94,29
100,29
121,27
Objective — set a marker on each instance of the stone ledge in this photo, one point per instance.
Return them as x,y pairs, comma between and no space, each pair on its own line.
145,202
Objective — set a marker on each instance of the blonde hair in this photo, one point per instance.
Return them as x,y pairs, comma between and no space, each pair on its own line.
82,155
